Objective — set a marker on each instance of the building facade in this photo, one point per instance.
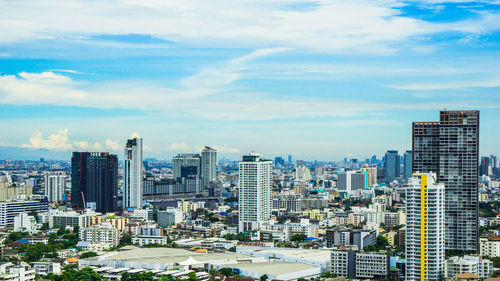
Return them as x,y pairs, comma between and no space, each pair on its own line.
54,187
254,199
450,148
94,181
208,164
132,174
425,230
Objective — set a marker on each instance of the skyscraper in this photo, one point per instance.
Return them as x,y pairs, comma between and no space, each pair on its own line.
255,202
187,166
425,228
450,148
94,180
54,187
407,170
208,164
132,174
392,165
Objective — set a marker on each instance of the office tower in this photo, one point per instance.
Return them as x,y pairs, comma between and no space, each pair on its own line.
187,166
54,187
94,181
407,164
392,165
484,167
352,181
254,199
372,174
450,148
290,160
279,161
132,174
208,164
425,230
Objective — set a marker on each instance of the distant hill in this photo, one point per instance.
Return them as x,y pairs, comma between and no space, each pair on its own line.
20,153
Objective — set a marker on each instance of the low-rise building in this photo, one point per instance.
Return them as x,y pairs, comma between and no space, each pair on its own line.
490,246
468,264
44,268
149,235
360,265
100,234
11,272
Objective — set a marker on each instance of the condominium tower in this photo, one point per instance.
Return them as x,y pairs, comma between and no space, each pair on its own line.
450,148
425,228
208,164
132,174
54,187
94,181
254,200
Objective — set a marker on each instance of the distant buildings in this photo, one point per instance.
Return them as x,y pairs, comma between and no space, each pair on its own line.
132,174
450,148
54,187
392,166
254,192
425,236
407,165
94,181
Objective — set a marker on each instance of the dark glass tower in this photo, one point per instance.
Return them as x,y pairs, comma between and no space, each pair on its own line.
450,148
94,179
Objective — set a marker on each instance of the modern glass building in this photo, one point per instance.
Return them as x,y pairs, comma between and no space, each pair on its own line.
94,181
132,174
450,148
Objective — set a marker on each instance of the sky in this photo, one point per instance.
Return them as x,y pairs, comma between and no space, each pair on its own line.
319,79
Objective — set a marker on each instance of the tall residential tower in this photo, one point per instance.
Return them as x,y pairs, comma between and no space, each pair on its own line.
424,228
450,148
255,202
132,174
94,181
208,164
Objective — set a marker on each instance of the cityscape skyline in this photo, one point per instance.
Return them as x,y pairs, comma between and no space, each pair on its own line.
349,82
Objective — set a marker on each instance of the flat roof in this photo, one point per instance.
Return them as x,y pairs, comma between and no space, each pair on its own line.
314,255
274,268
172,255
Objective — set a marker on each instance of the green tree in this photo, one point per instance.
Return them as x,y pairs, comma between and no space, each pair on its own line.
126,239
192,277
299,237
226,271
88,255
264,277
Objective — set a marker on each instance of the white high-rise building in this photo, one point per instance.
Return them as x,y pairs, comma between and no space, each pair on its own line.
254,200
425,229
54,187
208,163
132,176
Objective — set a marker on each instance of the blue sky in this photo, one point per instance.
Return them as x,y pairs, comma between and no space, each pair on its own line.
318,79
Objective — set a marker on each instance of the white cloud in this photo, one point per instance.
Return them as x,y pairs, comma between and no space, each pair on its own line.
135,135
225,149
493,82
178,146
56,141
328,26
112,145
60,141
